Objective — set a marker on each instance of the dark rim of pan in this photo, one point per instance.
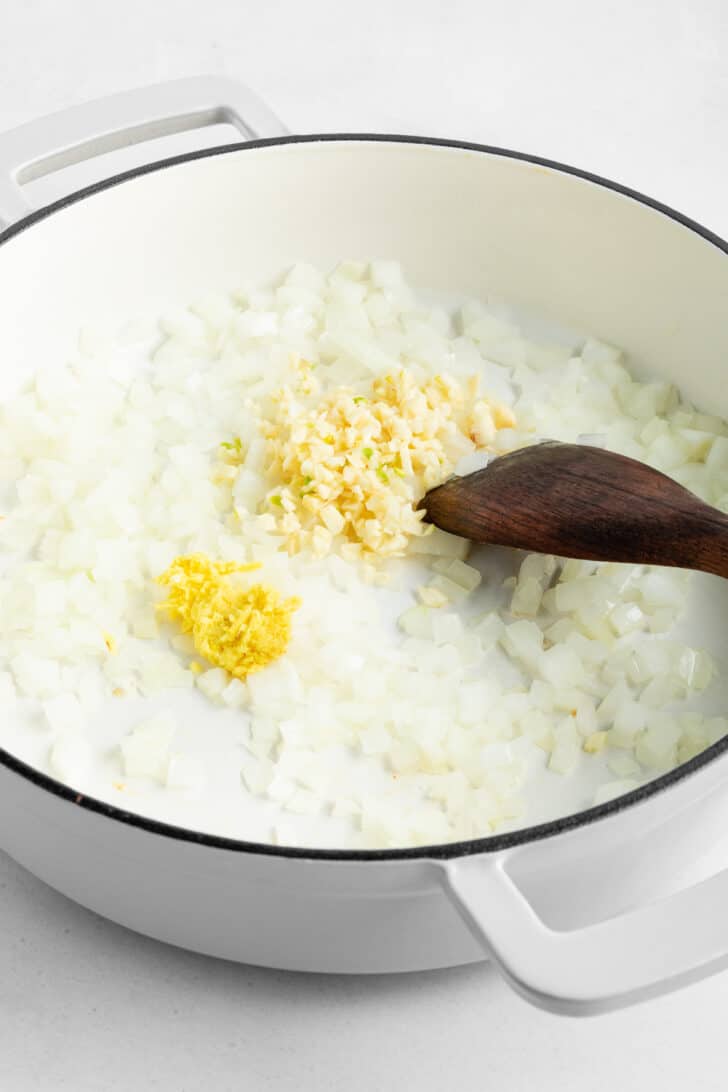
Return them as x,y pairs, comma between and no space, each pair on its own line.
492,843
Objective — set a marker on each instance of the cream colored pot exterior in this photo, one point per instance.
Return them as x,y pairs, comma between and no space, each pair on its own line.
580,916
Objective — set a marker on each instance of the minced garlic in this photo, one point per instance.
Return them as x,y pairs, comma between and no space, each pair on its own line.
239,629
352,466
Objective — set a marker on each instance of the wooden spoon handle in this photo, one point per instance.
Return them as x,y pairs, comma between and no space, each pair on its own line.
578,501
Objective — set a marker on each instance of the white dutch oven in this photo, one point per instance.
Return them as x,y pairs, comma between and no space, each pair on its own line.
597,910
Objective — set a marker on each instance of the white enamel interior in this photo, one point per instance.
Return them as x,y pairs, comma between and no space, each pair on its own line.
462,223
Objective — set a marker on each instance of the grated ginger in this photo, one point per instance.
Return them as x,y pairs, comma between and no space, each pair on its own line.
236,628
353,466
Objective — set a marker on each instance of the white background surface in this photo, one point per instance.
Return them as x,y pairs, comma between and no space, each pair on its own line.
637,91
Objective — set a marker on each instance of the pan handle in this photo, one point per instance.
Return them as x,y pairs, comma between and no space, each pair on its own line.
648,951
131,117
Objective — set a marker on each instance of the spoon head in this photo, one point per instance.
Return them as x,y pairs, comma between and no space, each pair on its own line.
574,501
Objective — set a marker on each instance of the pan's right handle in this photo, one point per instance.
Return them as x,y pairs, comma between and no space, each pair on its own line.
132,117
650,950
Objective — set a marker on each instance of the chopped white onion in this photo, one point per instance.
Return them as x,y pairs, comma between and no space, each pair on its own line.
145,751
498,672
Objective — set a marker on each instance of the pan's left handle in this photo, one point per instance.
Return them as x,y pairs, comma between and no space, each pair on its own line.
131,117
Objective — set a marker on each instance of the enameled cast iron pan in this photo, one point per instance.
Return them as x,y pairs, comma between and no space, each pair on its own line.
596,910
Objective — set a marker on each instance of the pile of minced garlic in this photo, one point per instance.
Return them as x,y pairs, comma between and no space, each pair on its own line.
473,692
350,464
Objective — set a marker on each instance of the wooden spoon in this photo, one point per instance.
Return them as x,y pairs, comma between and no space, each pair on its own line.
578,501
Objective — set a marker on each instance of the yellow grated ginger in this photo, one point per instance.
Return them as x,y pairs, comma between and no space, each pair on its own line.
352,466
239,629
